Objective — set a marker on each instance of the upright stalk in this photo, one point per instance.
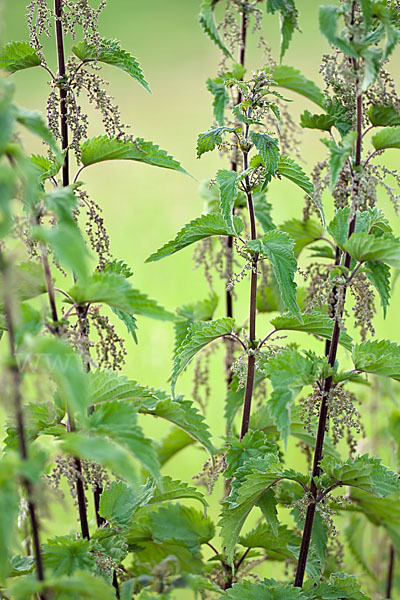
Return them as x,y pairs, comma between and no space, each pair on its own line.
251,361
332,351
229,241
16,383
80,490
390,573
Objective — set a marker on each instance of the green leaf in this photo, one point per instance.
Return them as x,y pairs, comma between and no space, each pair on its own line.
340,586
65,554
366,247
33,120
366,221
182,523
114,289
379,275
289,371
262,210
289,18
328,23
292,79
382,116
65,367
278,248
221,98
207,22
100,449
323,122
28,281
386,138
175,490
68,245
110,52
106,386
365,472
9,509
175,441
118,504
200,333
202,310
209,140
288,168
81,584
101,148
268,148
302,232
339,153
118,421
128,320
15,56
264,590
252,445
198,229
381,357
354,534
228,185
180,412
316,323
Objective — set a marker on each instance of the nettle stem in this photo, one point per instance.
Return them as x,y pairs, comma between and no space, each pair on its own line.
229,241
390,573
251,361
19,415
331,353
80,490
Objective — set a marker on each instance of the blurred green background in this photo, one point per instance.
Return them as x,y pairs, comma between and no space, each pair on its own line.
144,206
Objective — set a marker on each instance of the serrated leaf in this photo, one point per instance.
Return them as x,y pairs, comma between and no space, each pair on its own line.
181,523
100,449
209,140
288,17
264,590
33,120
175,441
289,371
383,116
386,138
366,221
262,211
9,509
278,248
105,386
64,555
101,148
317,323
366,247
302,232
379,275
175,490
114,289
323,122
381,357
288,168
64,366
221,98
340,586
228,185
364,472
198,229
202,310
81,584
328,24
118,504
110,53
180,412
207,22
292,79
16,56
268,148
199,334
117,420
339,153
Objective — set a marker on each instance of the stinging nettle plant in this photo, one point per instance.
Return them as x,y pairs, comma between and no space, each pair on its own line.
73,420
